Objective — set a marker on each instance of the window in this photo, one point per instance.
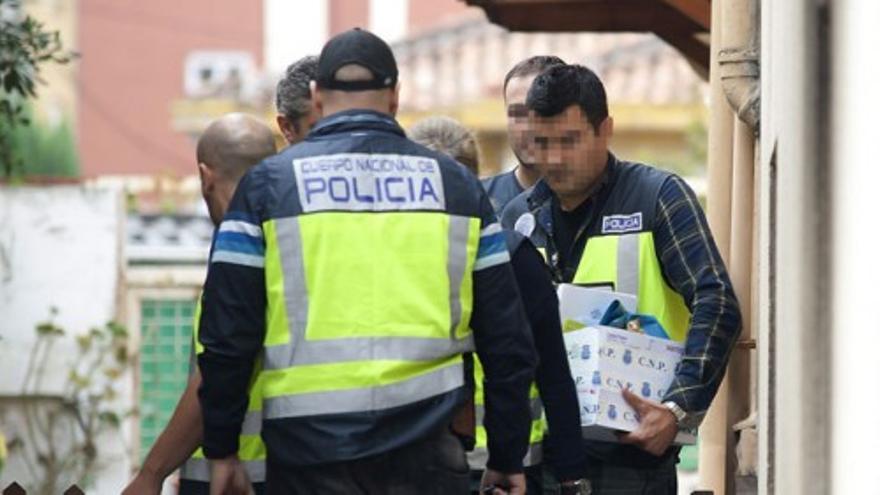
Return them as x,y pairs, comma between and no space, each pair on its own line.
219,74
166,338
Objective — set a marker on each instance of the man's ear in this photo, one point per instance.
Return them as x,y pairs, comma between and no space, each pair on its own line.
208,178
315,114
316,97
394,101
287,129
606,128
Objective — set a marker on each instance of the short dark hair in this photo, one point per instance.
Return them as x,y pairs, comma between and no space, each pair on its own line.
530,66
292,95
557,88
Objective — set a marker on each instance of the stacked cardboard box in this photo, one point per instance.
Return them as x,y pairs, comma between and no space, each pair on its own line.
605,360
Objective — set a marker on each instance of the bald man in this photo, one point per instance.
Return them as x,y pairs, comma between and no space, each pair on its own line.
227,149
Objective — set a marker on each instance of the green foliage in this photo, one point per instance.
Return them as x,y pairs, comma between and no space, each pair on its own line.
25,45
698,145
59,442
40,150
49,329
690,160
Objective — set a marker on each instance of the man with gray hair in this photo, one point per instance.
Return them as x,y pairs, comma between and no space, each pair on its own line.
226,150
293,100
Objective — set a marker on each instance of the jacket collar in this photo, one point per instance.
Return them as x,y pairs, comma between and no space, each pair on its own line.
356,120
539,198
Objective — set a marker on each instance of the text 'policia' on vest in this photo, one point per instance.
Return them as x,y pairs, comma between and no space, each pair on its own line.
342,179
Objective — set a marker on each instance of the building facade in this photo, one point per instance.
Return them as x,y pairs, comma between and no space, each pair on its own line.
138,57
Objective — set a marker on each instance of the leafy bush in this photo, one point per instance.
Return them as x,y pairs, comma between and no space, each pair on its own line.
25,44
58,444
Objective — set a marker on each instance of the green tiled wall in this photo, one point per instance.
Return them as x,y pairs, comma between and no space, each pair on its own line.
166,337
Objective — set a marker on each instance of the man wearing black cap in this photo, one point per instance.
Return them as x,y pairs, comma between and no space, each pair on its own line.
355,264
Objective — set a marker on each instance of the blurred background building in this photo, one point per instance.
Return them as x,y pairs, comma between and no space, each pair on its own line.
137,57
108,225
121,122
150,77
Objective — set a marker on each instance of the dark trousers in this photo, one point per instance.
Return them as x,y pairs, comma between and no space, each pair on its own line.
190,487
610,479
434,465
620,479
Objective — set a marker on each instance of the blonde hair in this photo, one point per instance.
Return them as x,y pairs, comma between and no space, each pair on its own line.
448,136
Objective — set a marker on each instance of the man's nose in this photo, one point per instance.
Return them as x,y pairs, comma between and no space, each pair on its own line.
554,155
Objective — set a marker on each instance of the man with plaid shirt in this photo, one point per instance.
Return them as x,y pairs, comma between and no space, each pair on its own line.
602,220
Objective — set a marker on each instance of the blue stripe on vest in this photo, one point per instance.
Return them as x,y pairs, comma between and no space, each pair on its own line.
491,244
239,243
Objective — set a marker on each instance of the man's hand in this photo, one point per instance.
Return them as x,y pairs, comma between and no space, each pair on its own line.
512,484
228,477
145,483
657,425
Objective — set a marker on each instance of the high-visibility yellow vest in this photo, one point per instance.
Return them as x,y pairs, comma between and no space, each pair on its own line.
251,450
478,457
344,336
630,263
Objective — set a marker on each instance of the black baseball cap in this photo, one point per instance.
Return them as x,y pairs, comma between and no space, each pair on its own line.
359,47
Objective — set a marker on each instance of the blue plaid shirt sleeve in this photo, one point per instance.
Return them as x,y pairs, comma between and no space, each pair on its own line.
693,268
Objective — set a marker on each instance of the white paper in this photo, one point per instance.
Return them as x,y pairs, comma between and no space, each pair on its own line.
587,305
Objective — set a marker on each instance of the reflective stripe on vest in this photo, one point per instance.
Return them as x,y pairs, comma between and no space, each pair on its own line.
360,386
360,319
630,263
251,449
477,458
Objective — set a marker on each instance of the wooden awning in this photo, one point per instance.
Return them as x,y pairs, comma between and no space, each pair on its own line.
683,24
